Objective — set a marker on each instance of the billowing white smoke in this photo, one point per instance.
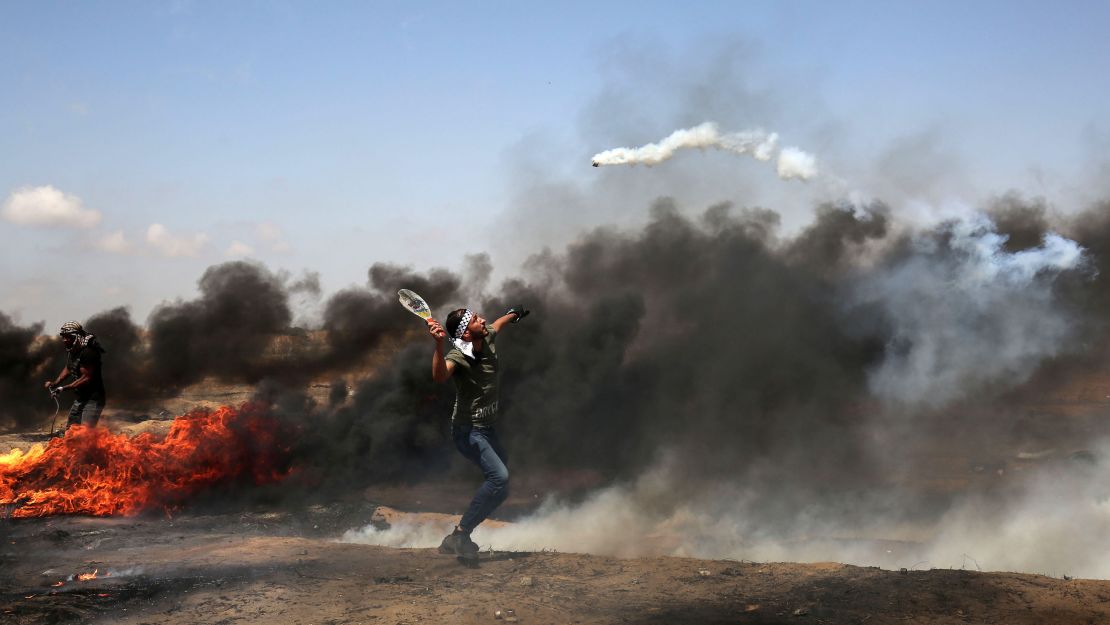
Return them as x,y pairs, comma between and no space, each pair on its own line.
1056,525
419,532
1047,527
970,314
792,162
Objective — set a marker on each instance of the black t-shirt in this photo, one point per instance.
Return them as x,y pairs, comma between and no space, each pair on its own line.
89,357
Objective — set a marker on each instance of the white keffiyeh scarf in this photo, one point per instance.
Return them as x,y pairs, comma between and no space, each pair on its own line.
465,347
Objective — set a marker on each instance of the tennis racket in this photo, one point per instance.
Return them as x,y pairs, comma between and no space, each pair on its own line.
414,303
417,306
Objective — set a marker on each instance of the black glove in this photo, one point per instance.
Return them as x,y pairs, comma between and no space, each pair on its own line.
520,312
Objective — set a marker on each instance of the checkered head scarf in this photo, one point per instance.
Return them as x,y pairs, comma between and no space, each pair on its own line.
465,347
71,327
81,337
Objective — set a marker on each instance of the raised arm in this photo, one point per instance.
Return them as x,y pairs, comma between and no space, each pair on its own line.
441,367
515,314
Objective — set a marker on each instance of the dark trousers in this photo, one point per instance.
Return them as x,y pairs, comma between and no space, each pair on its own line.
85,412
481,446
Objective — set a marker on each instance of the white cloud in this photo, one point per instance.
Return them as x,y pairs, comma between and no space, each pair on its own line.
238,249
115,243
272,234
47,206
167,244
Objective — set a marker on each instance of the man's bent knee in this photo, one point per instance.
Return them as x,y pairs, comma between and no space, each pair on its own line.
500,485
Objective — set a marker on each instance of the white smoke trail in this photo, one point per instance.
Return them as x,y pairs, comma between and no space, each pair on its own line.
792,162
965,312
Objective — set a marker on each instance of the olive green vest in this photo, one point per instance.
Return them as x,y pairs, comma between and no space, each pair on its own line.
476,383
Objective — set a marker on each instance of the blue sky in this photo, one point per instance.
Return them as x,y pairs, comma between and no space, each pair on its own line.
327,136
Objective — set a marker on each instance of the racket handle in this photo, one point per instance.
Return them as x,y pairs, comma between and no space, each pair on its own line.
439,335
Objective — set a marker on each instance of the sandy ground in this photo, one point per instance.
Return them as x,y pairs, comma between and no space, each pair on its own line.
287,567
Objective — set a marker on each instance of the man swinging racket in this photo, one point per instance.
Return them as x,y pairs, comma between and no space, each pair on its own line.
472,364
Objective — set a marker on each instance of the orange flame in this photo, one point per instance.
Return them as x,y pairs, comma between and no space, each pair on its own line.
84,577
92,471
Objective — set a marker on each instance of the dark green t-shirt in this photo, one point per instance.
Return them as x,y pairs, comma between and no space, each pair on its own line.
476,383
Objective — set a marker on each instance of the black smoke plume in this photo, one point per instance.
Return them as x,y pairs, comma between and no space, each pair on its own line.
735,354
358,320
700,337
238,330
125,363
224,333
713,343
26,361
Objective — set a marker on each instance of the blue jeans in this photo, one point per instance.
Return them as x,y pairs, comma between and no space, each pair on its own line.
481,446
85,412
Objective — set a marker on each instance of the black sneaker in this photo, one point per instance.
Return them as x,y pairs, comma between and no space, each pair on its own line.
450,544
467,546
458,543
